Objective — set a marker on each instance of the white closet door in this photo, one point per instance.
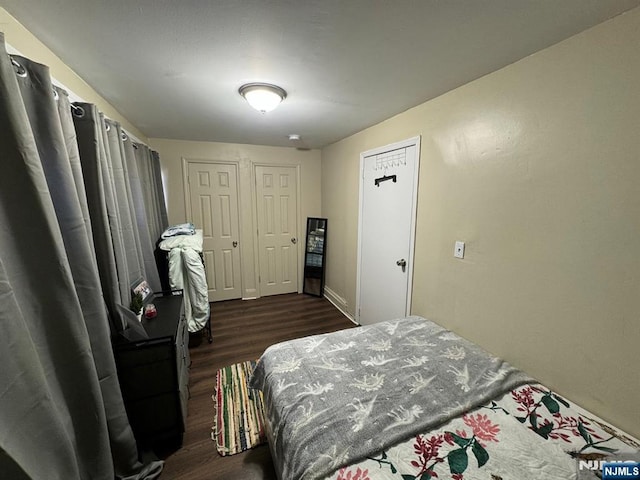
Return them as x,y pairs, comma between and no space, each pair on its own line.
276,193
387,224
213,193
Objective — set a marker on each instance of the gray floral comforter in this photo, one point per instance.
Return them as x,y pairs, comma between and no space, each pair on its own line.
335,399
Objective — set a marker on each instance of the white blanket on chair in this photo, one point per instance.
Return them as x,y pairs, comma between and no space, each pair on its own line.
188,241
186,272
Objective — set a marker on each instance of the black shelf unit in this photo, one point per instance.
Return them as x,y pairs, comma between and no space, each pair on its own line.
154,374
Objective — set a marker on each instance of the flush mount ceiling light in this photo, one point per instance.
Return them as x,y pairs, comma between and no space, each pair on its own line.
264,97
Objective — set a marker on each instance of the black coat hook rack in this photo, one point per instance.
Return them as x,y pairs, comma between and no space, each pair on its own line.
378,181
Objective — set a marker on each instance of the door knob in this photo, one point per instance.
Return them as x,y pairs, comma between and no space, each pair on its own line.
235,244
402,263
294,240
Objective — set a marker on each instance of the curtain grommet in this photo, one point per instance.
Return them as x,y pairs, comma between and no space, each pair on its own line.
20,70
77,111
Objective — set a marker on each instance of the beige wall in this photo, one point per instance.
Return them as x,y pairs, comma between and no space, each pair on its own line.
172,156
18,37
536,167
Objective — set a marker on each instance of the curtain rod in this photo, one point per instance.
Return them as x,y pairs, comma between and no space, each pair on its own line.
72,95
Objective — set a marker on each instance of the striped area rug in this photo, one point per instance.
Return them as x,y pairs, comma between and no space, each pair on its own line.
239,410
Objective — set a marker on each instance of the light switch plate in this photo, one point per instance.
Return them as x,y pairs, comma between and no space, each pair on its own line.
458,250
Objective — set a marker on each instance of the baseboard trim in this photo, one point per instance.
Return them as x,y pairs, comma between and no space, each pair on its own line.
250,293
338,302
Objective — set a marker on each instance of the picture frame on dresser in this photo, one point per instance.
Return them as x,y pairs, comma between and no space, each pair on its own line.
141,286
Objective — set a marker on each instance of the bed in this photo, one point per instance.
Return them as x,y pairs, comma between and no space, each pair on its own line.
409,400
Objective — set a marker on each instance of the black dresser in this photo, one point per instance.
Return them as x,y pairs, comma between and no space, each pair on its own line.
154,374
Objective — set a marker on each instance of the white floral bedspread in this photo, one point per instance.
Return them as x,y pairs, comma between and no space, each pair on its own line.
529,433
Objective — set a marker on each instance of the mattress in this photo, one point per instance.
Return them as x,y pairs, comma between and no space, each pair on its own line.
408,400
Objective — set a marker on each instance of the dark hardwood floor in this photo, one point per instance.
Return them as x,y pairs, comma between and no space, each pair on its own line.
241,331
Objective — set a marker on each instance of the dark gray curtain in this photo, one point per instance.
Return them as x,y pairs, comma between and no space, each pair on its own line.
159,206
61,410
126,214
150,177
147,240
101,206
117,195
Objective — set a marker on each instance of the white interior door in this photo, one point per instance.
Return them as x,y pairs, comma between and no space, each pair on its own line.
213,194
277,197
386,232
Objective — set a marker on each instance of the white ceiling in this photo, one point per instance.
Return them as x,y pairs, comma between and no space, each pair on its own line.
173,68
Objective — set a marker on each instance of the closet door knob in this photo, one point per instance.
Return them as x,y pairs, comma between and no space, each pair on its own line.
294,240
235,244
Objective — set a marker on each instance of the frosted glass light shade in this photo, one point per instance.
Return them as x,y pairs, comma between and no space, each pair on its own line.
262,96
